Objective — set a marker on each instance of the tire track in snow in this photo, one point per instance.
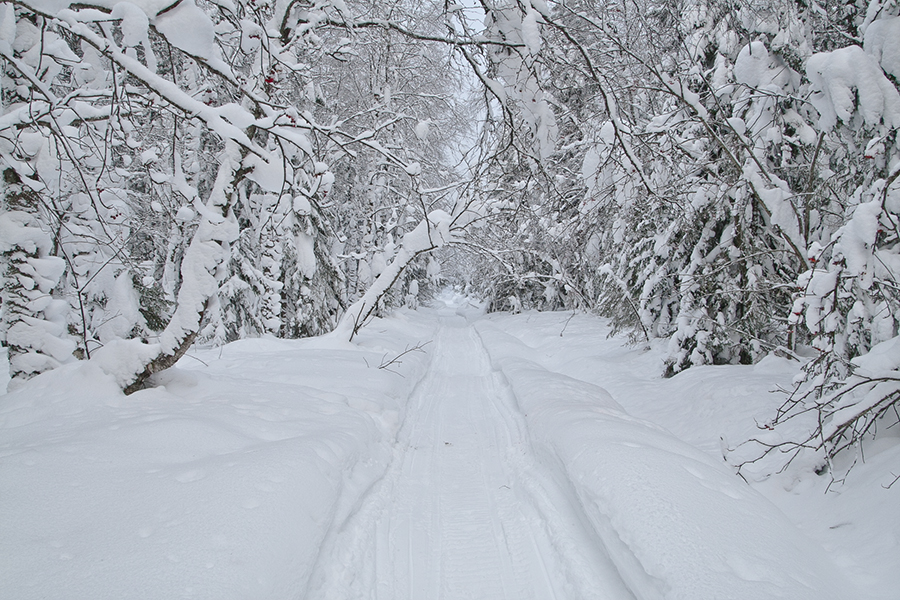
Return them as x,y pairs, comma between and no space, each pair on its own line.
464,510
553,507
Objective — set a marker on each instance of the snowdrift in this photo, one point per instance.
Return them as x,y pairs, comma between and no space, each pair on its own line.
677,524
219,483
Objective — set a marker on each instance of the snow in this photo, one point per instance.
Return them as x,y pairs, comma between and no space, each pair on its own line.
124,359
269,174
669,513
218,484
202,257
882,357
184,214
531,33
306,254
714,408
134,25
422,129
777,200
753,65
858,236
843,78
590,170
301,205
413,169
520,456
882,40
8,24
692,99
434,231
17,229
188,28
518,74
123,297
251,36
541,7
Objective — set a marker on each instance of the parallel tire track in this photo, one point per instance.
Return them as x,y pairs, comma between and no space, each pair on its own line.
464,510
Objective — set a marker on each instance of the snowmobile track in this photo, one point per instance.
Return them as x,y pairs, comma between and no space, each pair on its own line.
464,510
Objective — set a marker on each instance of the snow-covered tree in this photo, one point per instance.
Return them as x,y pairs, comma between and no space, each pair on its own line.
848,301
182,158
33,317
721,176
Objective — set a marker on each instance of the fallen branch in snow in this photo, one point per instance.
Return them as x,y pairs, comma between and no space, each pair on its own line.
891,484
566,324
828,422
385,363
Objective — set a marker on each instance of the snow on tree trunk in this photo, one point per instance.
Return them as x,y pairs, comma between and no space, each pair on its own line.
131,362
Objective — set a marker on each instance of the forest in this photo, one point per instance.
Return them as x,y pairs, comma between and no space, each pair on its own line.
721,175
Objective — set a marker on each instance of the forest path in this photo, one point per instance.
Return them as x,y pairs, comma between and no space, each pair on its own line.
464,511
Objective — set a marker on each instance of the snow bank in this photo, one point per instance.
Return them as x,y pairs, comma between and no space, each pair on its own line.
714,408
230,477
220,483
677,523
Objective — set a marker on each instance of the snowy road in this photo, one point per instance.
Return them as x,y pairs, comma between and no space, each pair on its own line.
464,512
478,469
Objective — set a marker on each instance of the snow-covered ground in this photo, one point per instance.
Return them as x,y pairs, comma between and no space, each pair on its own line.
490,464
716,407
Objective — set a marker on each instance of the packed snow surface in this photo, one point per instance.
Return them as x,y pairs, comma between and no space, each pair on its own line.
502,456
